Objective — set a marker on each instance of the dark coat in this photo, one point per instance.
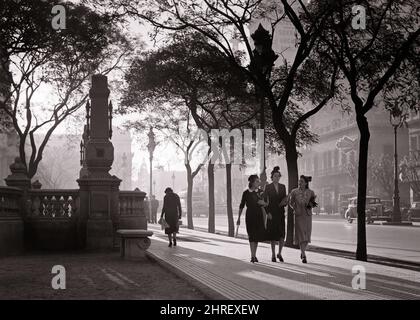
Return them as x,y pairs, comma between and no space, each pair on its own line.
275,226
171,211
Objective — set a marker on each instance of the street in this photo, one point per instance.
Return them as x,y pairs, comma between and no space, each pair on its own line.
402,243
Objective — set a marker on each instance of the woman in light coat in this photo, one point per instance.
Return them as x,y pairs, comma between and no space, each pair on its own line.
302,200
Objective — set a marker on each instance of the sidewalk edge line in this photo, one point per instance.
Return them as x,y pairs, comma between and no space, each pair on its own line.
204,289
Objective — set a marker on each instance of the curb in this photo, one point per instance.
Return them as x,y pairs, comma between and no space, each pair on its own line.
371,258
204,289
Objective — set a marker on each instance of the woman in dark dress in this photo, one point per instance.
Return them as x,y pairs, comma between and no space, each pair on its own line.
172,212
275,195
254,218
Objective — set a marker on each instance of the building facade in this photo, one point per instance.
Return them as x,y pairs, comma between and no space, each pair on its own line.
328,161
60,164
413,123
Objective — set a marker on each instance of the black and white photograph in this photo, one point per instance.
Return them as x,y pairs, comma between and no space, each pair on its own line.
210,156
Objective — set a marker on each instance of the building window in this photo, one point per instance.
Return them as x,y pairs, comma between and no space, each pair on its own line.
343,159
325,160
316,163
413,143
336,158
329,159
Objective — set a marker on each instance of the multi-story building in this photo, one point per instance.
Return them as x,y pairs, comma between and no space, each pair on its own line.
413,123
328,161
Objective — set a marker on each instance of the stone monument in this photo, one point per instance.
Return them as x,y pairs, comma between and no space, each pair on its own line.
99,191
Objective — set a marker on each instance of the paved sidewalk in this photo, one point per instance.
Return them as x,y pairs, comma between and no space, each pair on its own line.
397,245
221,264
90,276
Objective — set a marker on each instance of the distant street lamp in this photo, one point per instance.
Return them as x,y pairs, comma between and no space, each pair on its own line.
151,147
397,117
173,180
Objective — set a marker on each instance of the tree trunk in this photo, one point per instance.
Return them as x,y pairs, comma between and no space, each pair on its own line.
210,174
293,177
362,123
231,224
190,182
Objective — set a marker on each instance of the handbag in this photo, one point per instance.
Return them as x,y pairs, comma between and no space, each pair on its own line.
163,223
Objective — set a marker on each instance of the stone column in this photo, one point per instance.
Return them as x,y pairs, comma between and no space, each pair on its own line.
14,205
98,189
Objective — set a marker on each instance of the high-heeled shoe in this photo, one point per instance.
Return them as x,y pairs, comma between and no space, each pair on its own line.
252,259
303,258
280,257
170,244
174,243
255,259
273,259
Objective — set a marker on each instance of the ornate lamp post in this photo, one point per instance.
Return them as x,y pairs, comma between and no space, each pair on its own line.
261,64
173,180
151,147
397,117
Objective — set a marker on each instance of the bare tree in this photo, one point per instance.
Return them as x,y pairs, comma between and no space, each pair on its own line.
34,58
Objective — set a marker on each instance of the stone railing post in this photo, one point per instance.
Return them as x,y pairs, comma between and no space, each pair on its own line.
14,206
19,179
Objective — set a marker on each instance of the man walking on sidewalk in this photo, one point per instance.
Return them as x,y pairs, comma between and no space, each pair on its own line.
155,205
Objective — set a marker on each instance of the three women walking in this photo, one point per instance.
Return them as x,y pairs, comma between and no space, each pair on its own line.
265,216
272,227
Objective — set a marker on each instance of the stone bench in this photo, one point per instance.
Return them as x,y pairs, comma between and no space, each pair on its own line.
134,242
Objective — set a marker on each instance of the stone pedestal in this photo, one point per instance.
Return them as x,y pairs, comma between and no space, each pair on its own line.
98,207
134,243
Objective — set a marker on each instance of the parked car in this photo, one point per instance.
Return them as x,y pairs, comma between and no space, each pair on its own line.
199,203
375,210
388,206
343,200
414,212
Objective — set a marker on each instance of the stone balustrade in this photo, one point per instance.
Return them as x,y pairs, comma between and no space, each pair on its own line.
52,204
132,214
131,203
